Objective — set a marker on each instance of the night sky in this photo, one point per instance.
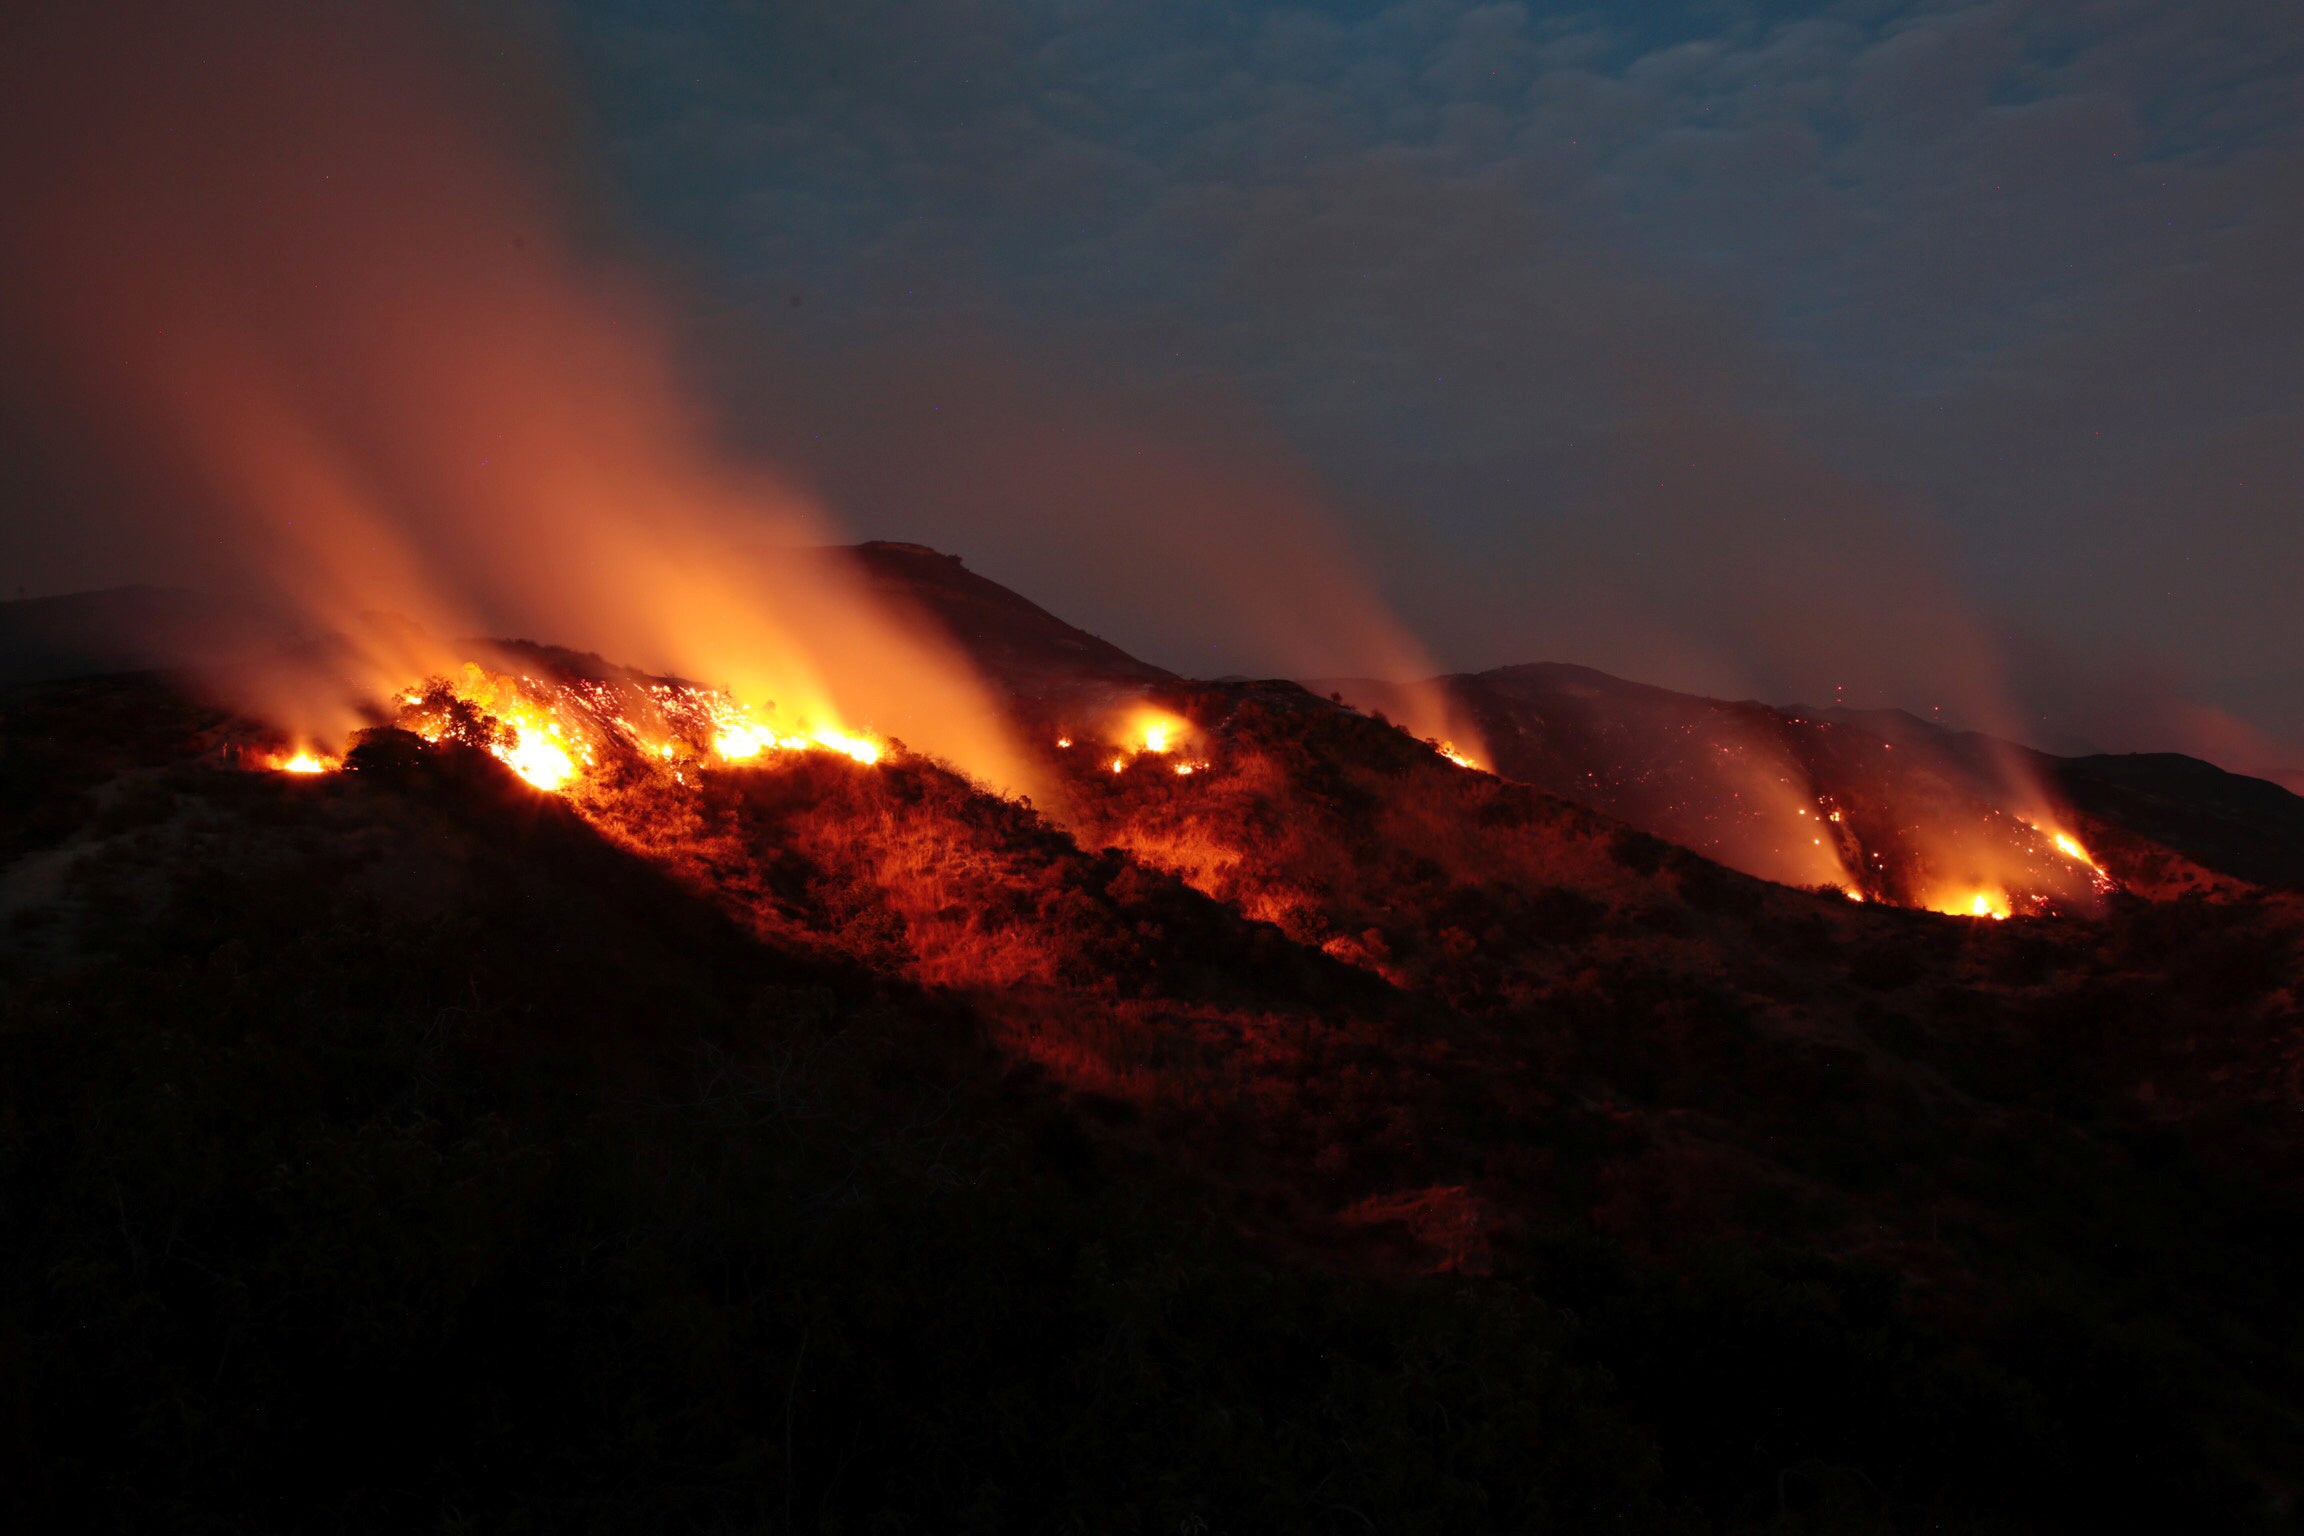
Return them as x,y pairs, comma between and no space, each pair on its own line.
1901,354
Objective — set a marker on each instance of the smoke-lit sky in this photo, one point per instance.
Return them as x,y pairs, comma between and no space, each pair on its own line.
1932,352
2002,297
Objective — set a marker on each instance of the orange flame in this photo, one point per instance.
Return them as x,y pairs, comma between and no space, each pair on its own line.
540,760
553,733
1154,730
1447,749
399,387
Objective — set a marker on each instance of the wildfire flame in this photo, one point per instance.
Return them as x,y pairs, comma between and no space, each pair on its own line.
2069,846
1155,731
1149,732
747,739
421,399
540,760
552,733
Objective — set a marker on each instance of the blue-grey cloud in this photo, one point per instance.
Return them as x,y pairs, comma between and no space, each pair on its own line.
1972,317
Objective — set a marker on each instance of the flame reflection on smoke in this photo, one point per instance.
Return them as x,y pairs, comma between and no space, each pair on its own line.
276,245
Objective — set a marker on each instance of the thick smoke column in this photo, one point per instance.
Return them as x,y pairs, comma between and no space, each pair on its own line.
276,255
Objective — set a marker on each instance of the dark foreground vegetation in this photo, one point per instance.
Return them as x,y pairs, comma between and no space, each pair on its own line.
403,1150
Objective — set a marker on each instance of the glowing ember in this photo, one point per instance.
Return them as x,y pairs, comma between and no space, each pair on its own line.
304,762
1064,741
1119,765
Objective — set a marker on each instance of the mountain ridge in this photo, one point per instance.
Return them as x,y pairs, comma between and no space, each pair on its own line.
708,1136
1738,780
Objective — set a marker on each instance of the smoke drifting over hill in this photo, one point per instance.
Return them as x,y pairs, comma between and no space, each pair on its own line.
1373,407
287,276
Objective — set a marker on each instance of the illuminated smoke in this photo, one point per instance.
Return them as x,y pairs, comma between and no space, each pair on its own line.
275,256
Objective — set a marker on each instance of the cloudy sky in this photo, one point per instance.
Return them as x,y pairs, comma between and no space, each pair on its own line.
1764,347
1902,353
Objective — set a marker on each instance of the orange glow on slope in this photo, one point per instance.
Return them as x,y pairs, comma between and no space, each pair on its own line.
1980,903
554,733
540,760
1979,877
1998,883
1447,749
747,739
1149,731
2070,847
1154,730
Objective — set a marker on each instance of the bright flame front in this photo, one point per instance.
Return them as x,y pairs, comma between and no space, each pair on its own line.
553,733
540,760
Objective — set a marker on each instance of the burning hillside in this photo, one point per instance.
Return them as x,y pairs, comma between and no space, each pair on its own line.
1901,817
1911,819
832,1058
559,731
859,1053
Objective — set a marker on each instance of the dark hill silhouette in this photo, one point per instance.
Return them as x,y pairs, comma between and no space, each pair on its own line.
2250,828
127,629
1743,782
1724,779
1328,1124
1014,641
1746,783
